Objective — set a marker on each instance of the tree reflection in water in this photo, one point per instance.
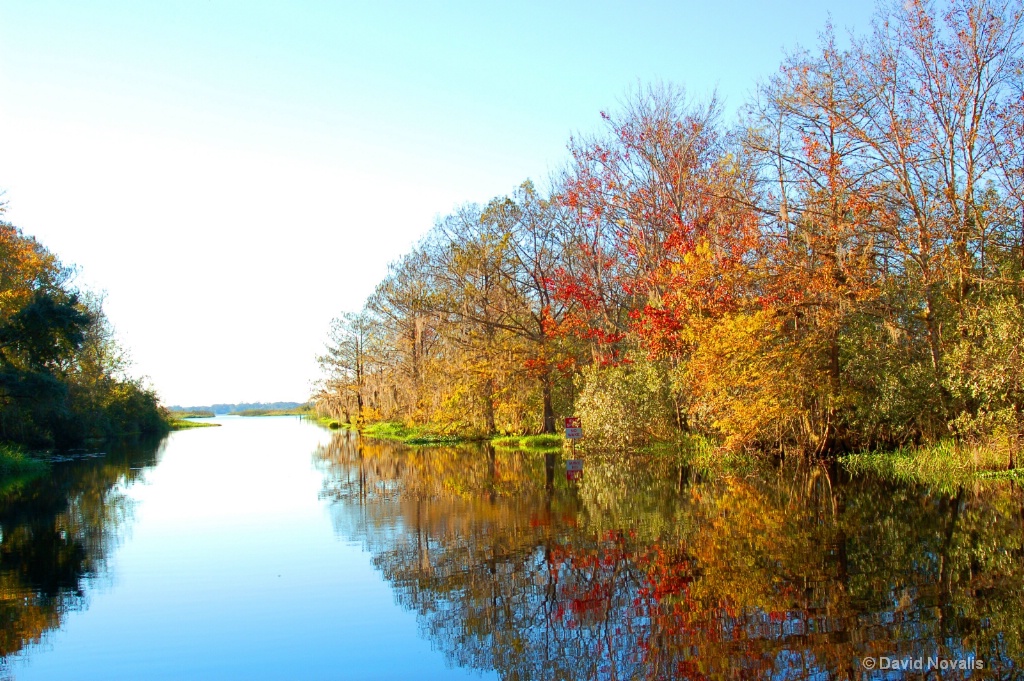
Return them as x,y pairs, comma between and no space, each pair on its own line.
56,535
644,571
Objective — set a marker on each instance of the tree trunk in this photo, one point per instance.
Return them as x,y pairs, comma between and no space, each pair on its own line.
489,407
549,471
549,409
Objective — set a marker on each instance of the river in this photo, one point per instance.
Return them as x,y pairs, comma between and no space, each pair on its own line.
270,548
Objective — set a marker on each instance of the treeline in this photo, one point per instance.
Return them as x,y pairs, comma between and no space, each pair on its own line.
839,269
62,376
240,407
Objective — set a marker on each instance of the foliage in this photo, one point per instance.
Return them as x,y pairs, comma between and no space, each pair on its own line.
413,435
326,421
945,465
16,466
743,379
62,376
841,270
463,331
543,443
986,375
625,405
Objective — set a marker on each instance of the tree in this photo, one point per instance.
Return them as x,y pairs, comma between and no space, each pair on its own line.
347,362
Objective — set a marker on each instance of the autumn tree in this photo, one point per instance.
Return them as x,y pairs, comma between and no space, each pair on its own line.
840,270
62,378
347,362
888,228
498,270
666,244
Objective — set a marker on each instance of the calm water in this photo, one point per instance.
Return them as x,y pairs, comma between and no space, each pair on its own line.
272,549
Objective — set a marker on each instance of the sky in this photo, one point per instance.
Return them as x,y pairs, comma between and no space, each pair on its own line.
233,175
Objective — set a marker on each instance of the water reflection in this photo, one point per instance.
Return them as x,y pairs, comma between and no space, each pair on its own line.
644,571
55,536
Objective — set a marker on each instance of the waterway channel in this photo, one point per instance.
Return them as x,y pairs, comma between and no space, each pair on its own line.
271,548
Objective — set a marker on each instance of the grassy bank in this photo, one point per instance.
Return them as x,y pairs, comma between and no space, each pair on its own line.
182,424
700,453
946,464
17,467
549,442
411,435
436,434
178,415
327,421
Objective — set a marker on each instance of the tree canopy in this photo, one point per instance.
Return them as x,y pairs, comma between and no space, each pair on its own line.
62,376
840,268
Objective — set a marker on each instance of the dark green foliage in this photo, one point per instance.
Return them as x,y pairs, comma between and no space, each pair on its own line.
62,380
51,328
15,465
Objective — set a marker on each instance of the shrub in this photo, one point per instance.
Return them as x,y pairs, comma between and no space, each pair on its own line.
625,405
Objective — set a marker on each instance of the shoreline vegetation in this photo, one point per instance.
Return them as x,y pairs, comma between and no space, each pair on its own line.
244,409
17,467
184,424
944,465
833,275
301,410
181,418
64,380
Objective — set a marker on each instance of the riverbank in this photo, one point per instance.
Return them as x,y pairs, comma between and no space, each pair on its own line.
702,454
302,410
945,465
183,424
414,435
18,467
327,422
541,443
434,434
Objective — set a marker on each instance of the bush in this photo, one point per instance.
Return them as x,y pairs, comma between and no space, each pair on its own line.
986,376
625,405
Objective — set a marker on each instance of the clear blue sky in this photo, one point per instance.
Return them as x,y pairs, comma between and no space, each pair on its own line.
234,174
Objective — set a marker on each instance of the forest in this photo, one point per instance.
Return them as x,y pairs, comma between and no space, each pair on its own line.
63,378
837,269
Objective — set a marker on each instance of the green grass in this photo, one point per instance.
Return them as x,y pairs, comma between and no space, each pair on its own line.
178,415
410,435
181,424
945,464
1015,474
434,434
546,442
18,468
326,421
